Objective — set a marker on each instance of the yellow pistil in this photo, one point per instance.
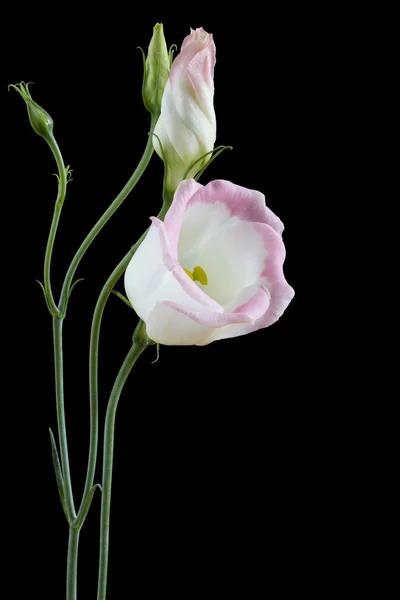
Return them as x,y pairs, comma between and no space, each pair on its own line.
198,274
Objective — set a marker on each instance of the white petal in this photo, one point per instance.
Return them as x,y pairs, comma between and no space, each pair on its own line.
151,277
172,328
201,221
230,331
233,259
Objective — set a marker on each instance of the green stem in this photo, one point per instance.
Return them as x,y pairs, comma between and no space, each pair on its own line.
72,563
62,190
62,431
106,216
93,364
139,344
93,378
94,357
93,360
58,316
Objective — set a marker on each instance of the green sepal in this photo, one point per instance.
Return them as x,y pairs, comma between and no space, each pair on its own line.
144,61
166,191
171,54
140,335
215,152
80,519
162,150
122,297
58,472
158,355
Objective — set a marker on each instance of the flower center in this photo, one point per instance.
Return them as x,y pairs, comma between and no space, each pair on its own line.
198,274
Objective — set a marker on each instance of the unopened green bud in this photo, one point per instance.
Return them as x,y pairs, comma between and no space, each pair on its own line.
156,71
40,120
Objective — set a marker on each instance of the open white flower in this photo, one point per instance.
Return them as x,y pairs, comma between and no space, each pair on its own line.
213,269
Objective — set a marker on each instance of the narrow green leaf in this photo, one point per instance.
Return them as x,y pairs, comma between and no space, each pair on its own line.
80,519
58,471
68,173
44,294
43,289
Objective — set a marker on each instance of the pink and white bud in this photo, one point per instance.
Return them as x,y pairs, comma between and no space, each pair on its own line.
187,125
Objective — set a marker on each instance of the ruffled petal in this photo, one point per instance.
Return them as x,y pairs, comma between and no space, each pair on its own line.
281,296
171,323
167,326
199,212
240,202
153,275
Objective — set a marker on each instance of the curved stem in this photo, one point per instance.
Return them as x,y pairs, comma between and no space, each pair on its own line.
106,216
62,431
93,364
72,563
62,190
57,328
47,261
94,357
139,344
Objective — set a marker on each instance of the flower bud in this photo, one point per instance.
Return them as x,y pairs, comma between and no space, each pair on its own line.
156,70
186,129
40,120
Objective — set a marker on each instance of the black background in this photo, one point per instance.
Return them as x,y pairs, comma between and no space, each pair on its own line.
214,446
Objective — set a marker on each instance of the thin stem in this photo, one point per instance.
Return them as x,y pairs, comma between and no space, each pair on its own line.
62,431
139,344
93,364
47,261
62,190
106,216
94,357
72,563
57,328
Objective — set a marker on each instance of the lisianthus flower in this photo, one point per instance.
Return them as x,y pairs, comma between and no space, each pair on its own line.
213,269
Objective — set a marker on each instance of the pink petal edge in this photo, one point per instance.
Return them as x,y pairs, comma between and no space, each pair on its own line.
171,262
174,217
247,313
247,205
192,45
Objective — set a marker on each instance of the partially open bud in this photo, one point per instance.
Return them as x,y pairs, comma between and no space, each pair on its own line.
40,120
156,71
186,129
